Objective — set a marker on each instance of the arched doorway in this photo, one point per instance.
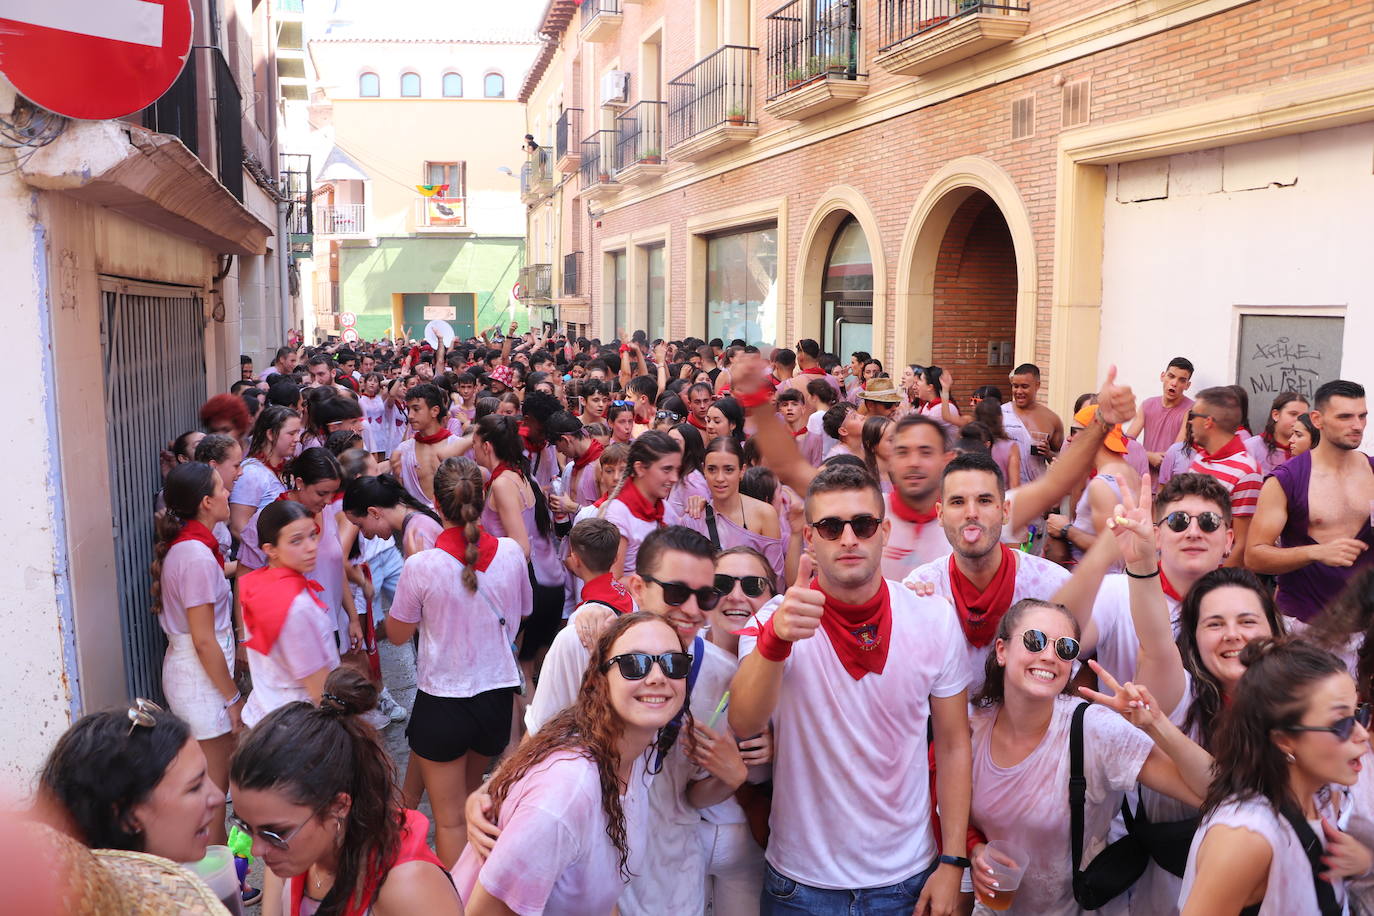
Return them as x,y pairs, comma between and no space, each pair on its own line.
974,296
847,292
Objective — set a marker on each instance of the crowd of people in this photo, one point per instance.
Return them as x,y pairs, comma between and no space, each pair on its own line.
703,628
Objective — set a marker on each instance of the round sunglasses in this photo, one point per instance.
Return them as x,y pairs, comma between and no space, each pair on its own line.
675,594
1179,521
753,586
865,526
1343,727
635,666
1066,647
270,837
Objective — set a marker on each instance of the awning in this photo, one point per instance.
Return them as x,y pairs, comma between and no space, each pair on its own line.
339,166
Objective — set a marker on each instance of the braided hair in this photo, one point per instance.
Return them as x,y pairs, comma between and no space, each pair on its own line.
460,497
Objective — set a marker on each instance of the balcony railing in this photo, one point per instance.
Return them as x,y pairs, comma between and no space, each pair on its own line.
536,281
640,135
716,91
903,20
341,219
566,134
600,19
300,216
598,159
441,213
536,175
572,265
177,113
806,43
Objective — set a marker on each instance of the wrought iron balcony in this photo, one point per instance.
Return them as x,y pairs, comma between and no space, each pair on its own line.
598,164
600,19
812,60
711,104
566,148
918,36
639,142
536,175
341,219
536,281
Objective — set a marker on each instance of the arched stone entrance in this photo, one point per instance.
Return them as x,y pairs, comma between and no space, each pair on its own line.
842,215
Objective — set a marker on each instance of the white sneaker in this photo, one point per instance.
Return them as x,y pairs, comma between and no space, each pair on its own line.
393,710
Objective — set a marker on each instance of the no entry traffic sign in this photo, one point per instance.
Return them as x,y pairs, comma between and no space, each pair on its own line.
94,59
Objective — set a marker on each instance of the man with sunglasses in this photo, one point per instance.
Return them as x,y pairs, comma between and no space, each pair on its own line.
852,668
1213,421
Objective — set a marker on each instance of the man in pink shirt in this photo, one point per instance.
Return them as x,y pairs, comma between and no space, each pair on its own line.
1162,418
1213,420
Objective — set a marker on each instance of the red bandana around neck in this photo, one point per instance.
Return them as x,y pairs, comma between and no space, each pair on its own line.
639,504
860,633
981,612
1168,586
497,472
606,590
592,453
1232,447
195,531
814,370
532,444
699,424
904,512
452,542
267,595
440,436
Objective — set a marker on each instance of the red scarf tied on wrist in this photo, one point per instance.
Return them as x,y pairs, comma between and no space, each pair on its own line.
639,505
453,542
267,595
901,510
981,612
195,531
860,633
592,453
432,438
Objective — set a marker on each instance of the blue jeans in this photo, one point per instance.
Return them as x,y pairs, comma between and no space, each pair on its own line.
782,895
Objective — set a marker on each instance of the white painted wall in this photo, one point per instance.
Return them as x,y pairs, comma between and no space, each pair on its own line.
1189,240
33,682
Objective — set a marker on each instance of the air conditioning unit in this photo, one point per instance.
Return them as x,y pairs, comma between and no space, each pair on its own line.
615,89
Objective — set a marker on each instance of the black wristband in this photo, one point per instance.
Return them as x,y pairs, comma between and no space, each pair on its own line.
956,860
1143,575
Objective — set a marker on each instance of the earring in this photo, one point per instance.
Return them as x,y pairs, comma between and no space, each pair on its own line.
1290,758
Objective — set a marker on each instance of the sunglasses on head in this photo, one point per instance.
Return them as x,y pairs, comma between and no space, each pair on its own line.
635,666
623,403
270,837
141,715
675,594
865,526
1066,647
1180,520
753,586
1343,727
668,415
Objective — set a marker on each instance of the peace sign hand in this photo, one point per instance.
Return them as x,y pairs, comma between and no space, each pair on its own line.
1132,523
1132,701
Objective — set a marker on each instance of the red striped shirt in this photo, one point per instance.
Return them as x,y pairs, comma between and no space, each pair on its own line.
1238,472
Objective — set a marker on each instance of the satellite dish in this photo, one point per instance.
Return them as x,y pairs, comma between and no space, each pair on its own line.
437,331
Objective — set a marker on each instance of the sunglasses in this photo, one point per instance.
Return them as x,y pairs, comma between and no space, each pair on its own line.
635,666
623,403
865,526
1194,415
1207,521
270,837
1066,647
675,594
141,715
753,586
668,415
1342,728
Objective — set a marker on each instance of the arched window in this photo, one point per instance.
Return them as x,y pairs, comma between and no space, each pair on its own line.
453,86
847,291
494,87
410,85
369,86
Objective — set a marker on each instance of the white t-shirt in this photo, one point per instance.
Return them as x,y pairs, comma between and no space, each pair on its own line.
819,442
305,645
1028,803
553,855
635,529
851,793
1118,646
559,677
192,577
910,545
256,486
464,649
1036,577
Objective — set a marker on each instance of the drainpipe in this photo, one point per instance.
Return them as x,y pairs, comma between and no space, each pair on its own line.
283,261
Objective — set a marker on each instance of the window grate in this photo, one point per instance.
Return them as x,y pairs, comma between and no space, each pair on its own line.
1076,103
1023,117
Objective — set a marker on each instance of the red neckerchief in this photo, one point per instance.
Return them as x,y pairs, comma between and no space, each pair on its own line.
981,612
414,847
266,595
195,531
1168,586
860,633
601,501
497,472
605,589
1234,446
814,370
592,453
639,504
935,403
452,542
532,445
276,469
289,495
904,512
699,424
798,433
443,433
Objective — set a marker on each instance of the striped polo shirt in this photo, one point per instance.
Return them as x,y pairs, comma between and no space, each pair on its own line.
1238,472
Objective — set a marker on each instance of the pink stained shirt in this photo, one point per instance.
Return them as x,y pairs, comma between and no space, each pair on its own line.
256,486
851,792
635,530
418,532
910,545
464,649
1162,424
191,577
305,645
376,424
409,472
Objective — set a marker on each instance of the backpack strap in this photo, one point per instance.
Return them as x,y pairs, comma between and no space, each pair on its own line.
1312,848
714,532
1078,786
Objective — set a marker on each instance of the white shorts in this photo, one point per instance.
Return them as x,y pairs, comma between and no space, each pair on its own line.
190,692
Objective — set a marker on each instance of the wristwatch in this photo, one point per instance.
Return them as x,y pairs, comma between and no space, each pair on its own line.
960,861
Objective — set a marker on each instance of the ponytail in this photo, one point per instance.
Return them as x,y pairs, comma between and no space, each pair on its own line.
186,487
460,496
384,492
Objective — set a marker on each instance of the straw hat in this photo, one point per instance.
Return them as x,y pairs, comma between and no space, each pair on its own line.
97,882
881,390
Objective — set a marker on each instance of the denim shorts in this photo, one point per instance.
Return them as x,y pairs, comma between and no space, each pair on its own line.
783,896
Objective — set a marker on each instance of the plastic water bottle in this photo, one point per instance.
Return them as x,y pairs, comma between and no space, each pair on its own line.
557,489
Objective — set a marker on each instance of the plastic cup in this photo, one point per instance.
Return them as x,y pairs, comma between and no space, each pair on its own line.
1008,863
221,875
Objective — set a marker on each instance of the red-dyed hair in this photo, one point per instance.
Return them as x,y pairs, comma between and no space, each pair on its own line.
228,407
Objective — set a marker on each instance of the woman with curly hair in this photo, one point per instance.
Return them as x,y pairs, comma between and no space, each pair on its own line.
571,801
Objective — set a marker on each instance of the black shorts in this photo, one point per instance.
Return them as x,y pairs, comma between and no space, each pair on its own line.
443,729
545,620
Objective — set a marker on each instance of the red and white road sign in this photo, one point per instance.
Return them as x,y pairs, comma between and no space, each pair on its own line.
350,335
348,319
94,59
517,291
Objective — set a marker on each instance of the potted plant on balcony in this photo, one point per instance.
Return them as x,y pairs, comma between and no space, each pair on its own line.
735,116
794,77
650,156
838,65
603,178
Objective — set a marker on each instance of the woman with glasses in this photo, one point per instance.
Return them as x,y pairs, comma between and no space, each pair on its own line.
1022,723
1268,841
637,505
317,793
572,800
466,598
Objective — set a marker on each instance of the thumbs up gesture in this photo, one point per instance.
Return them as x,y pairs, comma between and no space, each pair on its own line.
802,606
1115,403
